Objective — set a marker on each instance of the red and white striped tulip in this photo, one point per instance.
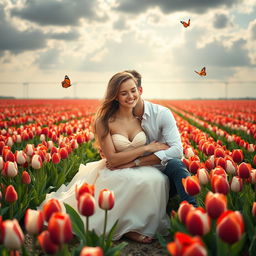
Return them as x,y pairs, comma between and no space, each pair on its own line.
244,170
9,141
220,161
47,245
86,204
10,194
230,166
188,152
106,199
85,188
252,178
203,176
26,178
230,226
20,157
198,222
209,163
33,221
12,236
10,169
1,163
218,171
220,184
219,152
254,161
29,149
254,209
51,206
236,184
183,210
215,204
36,162
60,228
91,251
191,185
237,155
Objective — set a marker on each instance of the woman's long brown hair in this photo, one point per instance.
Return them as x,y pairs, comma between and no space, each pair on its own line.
110,105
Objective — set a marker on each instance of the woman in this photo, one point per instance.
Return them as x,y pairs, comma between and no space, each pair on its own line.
141,193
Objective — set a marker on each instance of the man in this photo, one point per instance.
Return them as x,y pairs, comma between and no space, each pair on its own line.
159,124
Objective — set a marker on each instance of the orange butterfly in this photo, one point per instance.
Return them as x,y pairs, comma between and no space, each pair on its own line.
66,83
185,24
202,72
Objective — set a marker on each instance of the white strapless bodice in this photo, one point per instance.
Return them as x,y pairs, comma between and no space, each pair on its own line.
122,143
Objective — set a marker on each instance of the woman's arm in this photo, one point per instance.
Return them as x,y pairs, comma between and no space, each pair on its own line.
119,158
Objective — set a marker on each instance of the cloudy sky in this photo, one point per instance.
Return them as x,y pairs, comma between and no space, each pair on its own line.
89,40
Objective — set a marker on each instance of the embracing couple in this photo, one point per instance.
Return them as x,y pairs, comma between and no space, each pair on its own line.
142,162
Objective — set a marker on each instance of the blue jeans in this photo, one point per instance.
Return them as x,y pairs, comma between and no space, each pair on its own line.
175,170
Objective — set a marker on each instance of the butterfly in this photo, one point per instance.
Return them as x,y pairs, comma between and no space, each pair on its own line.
66,83
202,72
185,24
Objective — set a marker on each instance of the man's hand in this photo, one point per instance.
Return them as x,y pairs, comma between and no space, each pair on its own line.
128,165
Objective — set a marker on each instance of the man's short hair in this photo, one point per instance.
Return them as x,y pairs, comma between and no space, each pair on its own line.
137,75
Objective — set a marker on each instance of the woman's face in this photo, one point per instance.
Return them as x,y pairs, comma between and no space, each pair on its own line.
128,94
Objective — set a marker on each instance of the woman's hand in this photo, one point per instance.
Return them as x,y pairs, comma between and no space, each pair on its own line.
156,146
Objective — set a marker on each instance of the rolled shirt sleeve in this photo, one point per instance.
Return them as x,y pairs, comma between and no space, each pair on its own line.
171,136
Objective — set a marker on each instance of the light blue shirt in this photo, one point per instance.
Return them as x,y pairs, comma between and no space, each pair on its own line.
159,125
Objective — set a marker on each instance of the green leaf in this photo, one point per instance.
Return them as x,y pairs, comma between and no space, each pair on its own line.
252,248
77,223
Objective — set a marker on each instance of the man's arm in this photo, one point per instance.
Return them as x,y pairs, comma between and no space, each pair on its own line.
148,160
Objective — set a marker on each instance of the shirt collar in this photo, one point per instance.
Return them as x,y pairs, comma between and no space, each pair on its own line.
146,109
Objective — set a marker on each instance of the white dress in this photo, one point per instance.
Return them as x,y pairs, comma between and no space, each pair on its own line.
141,193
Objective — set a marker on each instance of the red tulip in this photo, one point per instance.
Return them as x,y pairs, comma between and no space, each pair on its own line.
33,221
50,207
56,158
12,236
8,155
106,199
244,170
10,169
183,210
198,222
194,166
215,204
230,226
236,184
184,160
219,152
191,185
63,153
252,178
220,184
60,228
54,150
20,157
210,149
10,194
26,177
185,245
237,155
47,245
254,161
36,161
86,204
218,171
220,161
91,251
85,188
203,176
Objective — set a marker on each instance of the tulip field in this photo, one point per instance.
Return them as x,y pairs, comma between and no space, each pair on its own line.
43,142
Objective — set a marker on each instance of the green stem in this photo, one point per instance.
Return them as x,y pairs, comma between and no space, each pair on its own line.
34,245
105,227
87,224
11,211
